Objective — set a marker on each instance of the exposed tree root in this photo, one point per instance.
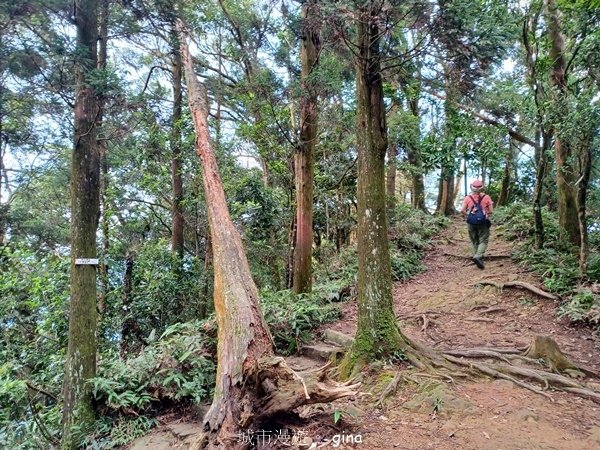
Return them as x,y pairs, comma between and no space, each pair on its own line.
542,348
390,389
487,310
520,285
528,374
592,395
546,348
272,391
489,370
478,319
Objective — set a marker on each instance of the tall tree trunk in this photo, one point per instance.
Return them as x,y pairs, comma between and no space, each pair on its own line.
303,158
390,179
243,337
413,155
585,169
456,188
176,177
80,365
103,149
446,192
541,154
509,160
3,206
565,173
377,331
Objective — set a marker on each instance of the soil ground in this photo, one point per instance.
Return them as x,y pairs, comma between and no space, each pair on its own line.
466,414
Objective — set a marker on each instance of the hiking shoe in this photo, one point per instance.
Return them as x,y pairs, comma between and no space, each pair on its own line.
479,263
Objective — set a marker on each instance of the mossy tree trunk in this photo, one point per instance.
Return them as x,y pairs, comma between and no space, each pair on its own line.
446,184
80,366
565,170
377,332
304,156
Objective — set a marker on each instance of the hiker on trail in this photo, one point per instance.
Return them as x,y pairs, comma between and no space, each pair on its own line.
477,208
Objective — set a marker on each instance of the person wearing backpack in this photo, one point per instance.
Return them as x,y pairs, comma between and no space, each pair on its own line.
477,208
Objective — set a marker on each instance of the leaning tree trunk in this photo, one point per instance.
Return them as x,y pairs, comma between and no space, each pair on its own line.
303,158
251,384
565,172
377,331
80,365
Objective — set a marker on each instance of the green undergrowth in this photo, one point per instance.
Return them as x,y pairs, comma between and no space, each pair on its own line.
292,317
556,263
176,368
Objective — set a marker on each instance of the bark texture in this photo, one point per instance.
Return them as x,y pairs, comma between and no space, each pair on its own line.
80,363
243,338
377,332
177,241
565,172
304,156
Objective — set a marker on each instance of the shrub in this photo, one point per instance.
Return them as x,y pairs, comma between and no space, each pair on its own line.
290,317
176,368
583,306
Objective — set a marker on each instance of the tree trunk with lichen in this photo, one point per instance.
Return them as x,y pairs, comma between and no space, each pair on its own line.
565,170
80,366
252,384
377,331
303,157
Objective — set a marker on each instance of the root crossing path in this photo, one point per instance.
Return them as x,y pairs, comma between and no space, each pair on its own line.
453,305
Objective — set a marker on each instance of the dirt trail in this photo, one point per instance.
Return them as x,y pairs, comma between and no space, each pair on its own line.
469,414
497,414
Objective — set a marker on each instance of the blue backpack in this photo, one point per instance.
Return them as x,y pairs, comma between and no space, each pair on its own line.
476,214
